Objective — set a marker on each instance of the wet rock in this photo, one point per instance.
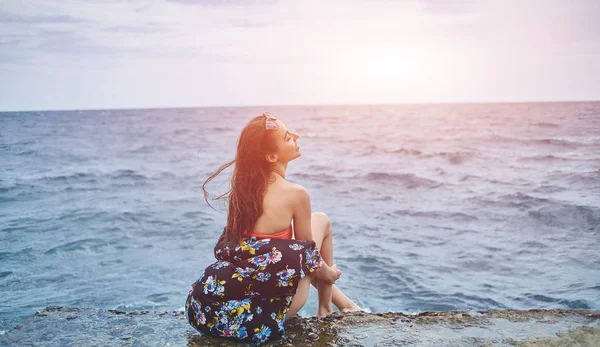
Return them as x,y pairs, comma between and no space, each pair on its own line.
580,336
75,326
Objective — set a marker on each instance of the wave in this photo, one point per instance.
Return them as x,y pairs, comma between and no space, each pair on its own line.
84,245
458,216
590,177
93,178
77,176
356,142
587,177
79,216
20,144
27,152
495,138
128,174
184,131
520,201
572,217
535,142
19,187
409,180
543,158
317,167
573,304
546,189
469,177
320,177
440,171
370,149
549,212
149,149
546,125
457,301
407,151
555,142
453,157
221,129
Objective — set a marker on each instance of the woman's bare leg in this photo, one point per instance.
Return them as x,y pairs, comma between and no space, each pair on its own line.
342,302
322,235
299,298
325,289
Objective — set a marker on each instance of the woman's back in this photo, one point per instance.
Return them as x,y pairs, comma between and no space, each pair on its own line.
278,204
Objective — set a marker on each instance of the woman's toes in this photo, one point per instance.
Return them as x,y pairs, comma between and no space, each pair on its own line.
351,308
324,312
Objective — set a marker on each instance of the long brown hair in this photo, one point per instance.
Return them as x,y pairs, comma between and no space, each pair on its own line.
249,180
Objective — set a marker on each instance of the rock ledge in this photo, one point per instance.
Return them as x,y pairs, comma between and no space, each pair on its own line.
91,327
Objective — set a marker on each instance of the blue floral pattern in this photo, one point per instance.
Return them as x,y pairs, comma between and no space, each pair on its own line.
262,276
285,277
246,293
261,334
296,247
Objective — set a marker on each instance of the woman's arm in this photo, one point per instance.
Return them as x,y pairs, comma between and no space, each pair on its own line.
302,214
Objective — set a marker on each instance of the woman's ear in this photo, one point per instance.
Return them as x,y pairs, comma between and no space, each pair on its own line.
272,157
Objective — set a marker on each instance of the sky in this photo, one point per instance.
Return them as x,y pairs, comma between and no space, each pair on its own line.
92,54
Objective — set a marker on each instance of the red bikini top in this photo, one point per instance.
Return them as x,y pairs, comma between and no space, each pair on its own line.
284,234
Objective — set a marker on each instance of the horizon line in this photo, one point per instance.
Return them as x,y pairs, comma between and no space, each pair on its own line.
313,105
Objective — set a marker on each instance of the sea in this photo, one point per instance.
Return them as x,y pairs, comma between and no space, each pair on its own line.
433,206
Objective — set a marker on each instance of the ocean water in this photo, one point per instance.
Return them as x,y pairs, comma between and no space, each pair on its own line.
434,207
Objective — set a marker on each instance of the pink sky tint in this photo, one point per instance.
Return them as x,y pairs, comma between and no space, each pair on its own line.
112,54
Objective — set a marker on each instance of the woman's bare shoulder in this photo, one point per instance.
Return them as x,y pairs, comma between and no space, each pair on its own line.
296,188
297,192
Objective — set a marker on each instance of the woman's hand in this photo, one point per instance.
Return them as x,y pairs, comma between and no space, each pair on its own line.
328,274
334,274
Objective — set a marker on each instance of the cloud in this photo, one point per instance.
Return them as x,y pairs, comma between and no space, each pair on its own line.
20,19
449,7
299,44
139,29
224,2
249,24
259,31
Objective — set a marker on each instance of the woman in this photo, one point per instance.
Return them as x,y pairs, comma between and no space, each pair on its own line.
264,265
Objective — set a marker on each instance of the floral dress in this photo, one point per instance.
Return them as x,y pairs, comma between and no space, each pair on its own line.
246,293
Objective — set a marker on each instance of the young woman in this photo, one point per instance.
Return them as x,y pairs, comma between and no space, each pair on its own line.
265,264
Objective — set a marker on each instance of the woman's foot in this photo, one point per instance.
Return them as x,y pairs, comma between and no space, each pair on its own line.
324,311
350,308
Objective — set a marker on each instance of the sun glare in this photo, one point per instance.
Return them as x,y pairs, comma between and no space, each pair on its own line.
387,66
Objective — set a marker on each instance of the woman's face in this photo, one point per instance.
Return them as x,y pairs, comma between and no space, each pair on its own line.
285,139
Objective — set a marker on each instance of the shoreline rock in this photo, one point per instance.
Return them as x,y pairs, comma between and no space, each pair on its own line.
523,328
